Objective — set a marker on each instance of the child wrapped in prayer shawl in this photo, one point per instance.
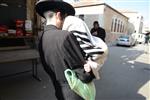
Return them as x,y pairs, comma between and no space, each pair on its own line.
95,49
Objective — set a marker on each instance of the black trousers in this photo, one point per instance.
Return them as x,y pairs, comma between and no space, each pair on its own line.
63,92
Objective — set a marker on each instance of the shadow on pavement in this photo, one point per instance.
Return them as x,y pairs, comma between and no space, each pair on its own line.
24,86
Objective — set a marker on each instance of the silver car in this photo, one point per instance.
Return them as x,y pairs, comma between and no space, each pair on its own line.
126,40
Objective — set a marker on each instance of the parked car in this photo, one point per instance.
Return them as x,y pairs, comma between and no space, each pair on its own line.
126,40
139,37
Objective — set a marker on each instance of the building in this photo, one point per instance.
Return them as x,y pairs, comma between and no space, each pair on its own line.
114,22
135,18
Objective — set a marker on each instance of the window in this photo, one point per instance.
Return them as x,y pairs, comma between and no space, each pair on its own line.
142,18
118,26
112,25
123,28
115,25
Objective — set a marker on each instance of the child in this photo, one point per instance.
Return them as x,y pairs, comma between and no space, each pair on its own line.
94,48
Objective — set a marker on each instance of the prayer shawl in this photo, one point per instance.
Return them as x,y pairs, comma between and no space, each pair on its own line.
94,47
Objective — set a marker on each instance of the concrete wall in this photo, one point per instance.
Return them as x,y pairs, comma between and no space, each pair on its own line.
109,16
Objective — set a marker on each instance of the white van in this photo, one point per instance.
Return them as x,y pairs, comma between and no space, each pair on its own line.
139,37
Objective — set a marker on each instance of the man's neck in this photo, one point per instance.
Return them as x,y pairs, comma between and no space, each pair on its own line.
51,21
96,28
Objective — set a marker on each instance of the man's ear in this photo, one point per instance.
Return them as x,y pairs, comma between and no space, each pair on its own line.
58,15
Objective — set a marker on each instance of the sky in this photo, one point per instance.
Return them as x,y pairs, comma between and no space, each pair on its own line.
141,6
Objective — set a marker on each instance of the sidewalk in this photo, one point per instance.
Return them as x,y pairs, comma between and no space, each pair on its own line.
145,57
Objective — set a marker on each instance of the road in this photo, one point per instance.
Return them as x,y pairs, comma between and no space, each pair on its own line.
125,75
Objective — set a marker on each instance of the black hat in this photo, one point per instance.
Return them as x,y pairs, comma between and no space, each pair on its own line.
46,5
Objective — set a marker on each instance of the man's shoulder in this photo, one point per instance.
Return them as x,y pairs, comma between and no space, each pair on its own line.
65,32
92,30
101,28
58,32
66,35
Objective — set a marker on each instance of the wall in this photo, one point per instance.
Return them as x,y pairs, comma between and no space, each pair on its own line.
89,10
91,14
90,18
109,15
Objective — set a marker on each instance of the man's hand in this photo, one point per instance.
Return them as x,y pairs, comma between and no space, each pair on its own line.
94,33
87,67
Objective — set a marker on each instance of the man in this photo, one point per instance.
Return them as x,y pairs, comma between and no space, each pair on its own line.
59,49
98,31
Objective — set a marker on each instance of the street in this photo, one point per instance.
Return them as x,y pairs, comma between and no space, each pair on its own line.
124,76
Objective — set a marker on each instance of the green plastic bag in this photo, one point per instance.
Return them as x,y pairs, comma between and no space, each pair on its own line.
86,90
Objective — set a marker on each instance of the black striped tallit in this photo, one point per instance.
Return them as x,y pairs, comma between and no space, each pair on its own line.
91,51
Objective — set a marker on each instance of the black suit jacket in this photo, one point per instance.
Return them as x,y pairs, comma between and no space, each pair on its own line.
100,33
60,50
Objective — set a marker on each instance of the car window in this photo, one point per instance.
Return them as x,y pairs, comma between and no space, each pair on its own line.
126,37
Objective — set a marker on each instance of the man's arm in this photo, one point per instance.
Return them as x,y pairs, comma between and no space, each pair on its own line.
104,33
75,60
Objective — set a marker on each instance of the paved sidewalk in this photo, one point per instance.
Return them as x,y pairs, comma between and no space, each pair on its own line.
145,57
